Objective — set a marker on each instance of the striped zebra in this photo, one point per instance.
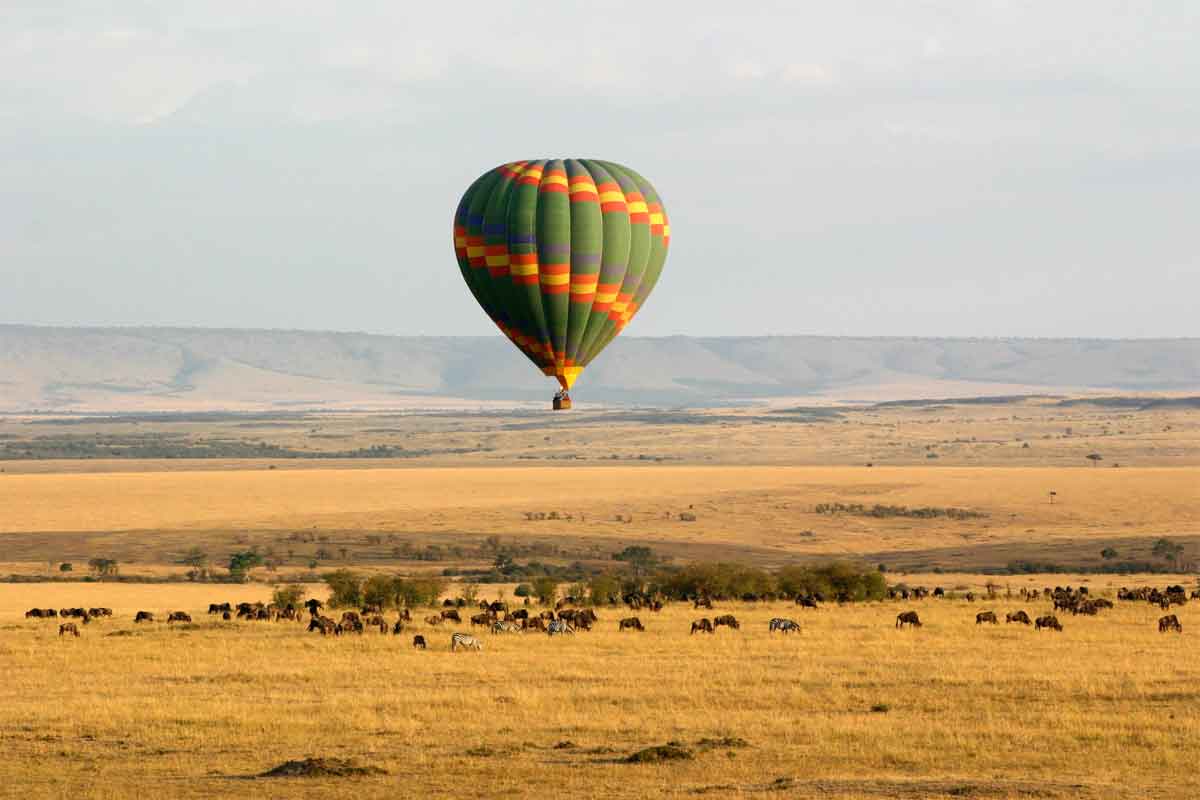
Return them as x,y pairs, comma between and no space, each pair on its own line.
464,641
784,625
505,627
559,626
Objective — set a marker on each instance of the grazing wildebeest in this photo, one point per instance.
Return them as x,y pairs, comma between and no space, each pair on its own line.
1017,616
702,602
481,620
1048,622
520,613
909,618
434,619
1170,623
419,642
465,641
783,625
68,627
143,616
372,609
535,624
226,616
324,625
986,616
939,592
807,601
728,620
377,621
704,625
178,616
313,605
219,608
34,613
451,614
630,624
398,627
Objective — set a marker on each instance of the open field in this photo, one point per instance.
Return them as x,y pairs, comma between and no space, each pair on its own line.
764,514
1105,709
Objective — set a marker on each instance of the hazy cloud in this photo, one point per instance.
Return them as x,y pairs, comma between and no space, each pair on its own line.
953,168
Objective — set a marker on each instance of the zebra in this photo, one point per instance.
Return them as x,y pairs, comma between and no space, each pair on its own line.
505,627
559,626
784,625
464,641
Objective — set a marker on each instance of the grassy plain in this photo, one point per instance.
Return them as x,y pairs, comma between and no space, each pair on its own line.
850,708
1106,709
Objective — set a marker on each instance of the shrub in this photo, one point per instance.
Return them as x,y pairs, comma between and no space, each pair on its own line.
545,589
66,566
290,595
523,590
835,579
345,588
379,590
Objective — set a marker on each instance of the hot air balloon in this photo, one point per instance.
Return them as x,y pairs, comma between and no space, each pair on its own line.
561,254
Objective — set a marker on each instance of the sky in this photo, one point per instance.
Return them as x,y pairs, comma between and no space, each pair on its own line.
957,168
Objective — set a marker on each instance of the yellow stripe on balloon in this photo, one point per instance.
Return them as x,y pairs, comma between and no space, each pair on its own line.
474,252
524,269
561,180
612,197
605,297
555,280
656,219
637,207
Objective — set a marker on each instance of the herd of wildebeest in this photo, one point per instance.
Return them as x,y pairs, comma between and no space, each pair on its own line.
567,617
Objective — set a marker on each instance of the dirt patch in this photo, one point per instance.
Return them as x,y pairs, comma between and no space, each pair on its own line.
321,768
659,753
905,789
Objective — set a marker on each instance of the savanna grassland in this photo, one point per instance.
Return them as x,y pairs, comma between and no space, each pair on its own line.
851,707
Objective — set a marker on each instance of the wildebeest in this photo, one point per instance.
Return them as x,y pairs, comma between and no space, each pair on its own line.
909,618
220,608
398,627
702,602
986,616
434,619
99,612
68,627
806,601
535,624
1170,623
481,619
324,625
1017,616
704,625
226,616
377,621
143,616
419,642
313,605
451,614
178,616
630,624
728,620
1048,622
41,613
783,625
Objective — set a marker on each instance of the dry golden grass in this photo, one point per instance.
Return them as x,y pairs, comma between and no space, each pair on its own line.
760,513
1106,709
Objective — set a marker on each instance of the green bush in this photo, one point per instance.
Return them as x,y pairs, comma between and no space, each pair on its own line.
292,594
545,589
345,588
523,590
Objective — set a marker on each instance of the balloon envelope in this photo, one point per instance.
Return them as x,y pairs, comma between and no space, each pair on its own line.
561,254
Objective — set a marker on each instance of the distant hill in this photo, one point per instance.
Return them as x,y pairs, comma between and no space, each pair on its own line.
110,369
